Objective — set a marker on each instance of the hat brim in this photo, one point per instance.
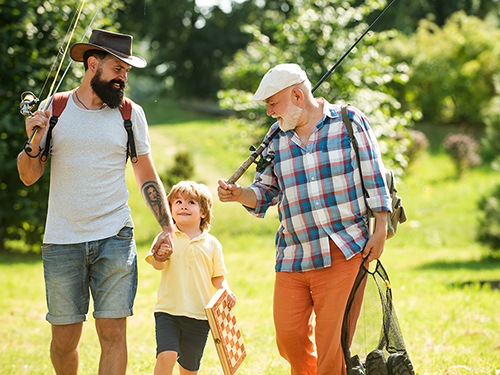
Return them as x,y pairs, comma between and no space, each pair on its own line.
78,49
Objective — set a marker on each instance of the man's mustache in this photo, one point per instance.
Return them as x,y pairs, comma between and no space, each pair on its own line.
119,82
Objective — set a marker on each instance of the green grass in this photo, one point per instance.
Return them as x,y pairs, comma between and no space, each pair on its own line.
448,329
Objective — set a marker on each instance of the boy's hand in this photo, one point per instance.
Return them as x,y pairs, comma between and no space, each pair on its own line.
231,299
163,253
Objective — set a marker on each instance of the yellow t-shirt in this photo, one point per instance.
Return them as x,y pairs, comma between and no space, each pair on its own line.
186,281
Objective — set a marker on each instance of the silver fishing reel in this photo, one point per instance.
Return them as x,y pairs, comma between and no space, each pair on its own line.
28,102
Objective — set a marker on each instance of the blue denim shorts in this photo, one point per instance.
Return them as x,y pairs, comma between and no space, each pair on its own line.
105,268
184,335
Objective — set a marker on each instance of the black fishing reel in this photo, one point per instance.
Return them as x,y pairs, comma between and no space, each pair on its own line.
28,102
263,162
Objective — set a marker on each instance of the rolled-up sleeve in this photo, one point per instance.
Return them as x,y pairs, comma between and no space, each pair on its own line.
372,166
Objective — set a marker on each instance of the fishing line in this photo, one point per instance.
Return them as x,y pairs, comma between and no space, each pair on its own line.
60,51
79,12
71,61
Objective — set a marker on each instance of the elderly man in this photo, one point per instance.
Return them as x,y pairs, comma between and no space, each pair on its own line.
315,181
89,244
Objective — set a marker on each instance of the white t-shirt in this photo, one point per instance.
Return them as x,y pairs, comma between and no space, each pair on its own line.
88,194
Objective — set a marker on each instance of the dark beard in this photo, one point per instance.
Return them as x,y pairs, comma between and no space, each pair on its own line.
105,90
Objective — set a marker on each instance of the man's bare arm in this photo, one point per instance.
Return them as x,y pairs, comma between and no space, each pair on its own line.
156,200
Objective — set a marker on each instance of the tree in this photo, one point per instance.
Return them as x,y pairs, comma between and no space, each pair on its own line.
189,46
30,37
315,35
407,14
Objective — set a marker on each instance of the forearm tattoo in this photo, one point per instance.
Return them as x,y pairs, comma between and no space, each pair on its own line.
156,200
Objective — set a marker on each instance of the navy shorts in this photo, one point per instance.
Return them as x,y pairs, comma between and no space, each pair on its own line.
186,336
106,268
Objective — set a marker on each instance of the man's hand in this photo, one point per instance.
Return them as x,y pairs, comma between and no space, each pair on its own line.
228,192
167,239
40,119
375,244
163,253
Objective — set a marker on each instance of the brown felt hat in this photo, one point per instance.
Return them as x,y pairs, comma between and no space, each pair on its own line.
119,45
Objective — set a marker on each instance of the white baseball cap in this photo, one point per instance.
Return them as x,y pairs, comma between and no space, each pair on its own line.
279,78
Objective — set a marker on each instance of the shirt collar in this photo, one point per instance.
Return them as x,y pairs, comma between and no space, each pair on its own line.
329,110
197,238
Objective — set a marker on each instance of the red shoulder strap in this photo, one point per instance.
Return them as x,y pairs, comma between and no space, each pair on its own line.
126,108
59,103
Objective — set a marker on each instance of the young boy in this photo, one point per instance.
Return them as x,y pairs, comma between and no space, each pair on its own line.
188,272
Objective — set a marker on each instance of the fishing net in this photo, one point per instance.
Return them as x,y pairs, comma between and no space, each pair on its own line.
371,337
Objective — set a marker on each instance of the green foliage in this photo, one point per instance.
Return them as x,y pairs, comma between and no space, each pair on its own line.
463,150
406,14
188,46
488,229
315,35
454,68
30,37
183,169
490,147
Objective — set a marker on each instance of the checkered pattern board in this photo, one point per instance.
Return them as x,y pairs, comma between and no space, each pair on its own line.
225,332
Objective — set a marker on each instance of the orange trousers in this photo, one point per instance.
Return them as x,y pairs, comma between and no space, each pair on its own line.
308,311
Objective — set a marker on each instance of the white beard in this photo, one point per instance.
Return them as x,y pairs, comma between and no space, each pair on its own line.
289,117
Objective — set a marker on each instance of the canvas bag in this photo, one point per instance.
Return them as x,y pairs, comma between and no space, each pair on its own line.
398,214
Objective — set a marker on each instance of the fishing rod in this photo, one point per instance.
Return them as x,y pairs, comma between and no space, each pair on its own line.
29,100
263,162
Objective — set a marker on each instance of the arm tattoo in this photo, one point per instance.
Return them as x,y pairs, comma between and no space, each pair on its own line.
155,199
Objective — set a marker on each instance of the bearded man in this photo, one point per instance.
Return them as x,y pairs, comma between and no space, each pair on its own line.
323,237
89,246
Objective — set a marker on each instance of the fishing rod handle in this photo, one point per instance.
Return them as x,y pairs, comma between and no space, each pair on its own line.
29,144
242,169
247,163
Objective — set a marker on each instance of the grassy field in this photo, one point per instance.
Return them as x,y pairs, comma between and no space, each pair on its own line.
448,328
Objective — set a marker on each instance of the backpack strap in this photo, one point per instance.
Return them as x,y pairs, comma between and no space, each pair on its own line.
126,111
58,104
348,125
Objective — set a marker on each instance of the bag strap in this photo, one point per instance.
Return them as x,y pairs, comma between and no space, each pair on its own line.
348,125
126,111
58,104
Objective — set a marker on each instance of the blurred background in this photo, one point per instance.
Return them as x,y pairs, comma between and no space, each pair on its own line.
428,66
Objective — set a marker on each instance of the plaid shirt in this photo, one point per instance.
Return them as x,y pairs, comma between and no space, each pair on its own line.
318,190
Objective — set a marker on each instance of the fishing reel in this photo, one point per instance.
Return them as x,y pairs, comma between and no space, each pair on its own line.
28,102
263,162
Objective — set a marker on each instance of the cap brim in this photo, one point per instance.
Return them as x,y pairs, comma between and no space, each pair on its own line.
78,49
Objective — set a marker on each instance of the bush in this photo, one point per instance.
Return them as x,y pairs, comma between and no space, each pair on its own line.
488,231
490,147
418,145
454,68
183,169
463,149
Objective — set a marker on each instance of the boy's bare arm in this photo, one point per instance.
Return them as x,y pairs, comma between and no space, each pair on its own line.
220,282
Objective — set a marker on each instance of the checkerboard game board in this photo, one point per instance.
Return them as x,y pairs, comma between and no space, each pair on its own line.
225,333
